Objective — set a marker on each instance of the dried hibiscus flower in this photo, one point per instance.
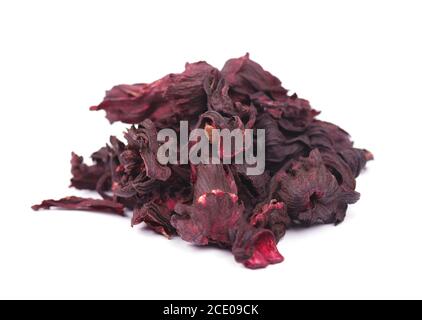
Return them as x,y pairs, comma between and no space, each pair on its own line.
310,165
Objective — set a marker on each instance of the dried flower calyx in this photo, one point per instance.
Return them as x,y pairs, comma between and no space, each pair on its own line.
310,165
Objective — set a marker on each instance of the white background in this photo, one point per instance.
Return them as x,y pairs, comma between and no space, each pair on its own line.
357,61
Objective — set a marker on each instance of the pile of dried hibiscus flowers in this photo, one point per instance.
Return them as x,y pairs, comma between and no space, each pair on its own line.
310,165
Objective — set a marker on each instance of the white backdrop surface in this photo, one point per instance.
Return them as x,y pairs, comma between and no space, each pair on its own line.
359,62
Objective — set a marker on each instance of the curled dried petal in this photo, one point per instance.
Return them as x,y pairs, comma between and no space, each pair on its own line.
256,248
166,101
156,216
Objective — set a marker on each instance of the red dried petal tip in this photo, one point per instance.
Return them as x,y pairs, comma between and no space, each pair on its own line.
368,155
265,253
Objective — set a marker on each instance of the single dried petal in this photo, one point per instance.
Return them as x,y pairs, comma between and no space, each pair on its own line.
252,190
156,216
208,177
209,219
85,176
166,101
273,216
245,78
83,204
256,247
293,114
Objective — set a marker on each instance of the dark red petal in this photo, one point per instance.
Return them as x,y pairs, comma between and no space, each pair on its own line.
155,216
174,97
255,247
84,204
264,253
210,219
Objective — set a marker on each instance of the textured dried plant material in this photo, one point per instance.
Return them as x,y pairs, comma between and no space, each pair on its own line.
165,99
76,203
311,165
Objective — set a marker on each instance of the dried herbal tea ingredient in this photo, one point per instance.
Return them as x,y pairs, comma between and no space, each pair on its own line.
311,165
